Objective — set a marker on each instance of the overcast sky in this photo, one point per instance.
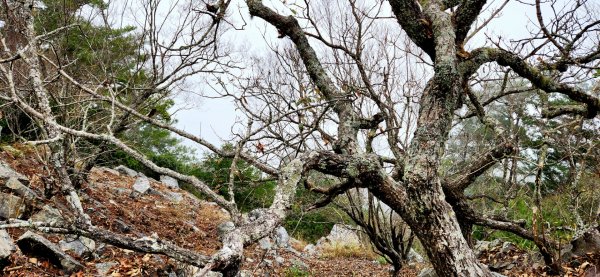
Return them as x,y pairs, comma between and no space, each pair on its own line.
214,119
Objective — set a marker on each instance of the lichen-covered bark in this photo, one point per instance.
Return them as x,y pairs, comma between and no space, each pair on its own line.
415,23
29,56
419,198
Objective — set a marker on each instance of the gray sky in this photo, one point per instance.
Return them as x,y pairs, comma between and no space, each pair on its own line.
214,119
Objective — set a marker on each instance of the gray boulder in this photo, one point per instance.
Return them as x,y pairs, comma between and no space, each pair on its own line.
11,206
48,214
33,244
484,246
265,243
109,170
141,185
300,264
169,181
507,247
282,238
224,228
342,234
321,242
310,250
588,242
103,269
126,171
414,257
19,189
81,247
7,247
6,172
174,197
279,260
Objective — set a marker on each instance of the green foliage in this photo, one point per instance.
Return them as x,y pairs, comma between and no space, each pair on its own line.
158,145
311,226
250,191
93,48
555,212
381,260
295,271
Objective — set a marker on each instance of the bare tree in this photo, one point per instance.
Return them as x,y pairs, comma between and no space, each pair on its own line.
345,100
388,234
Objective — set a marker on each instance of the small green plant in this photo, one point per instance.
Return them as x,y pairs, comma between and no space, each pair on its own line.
295,271
381,260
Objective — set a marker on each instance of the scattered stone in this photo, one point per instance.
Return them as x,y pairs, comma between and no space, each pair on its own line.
109,170
320,242
310,250
11,206
588,242
7,247
265,243
279,260
36,245
342,234
250,260
300,264
82,247
141,185
507,247
485,246
566,253
427,272
126,170
6,172
414,257
169,181
224,228
19,189
282,239
267,263
174,197
48,214
245,273
103,269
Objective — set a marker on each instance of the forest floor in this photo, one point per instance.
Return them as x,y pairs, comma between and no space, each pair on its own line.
192,224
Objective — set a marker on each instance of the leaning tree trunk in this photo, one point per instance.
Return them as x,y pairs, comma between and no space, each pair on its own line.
434,222
440,233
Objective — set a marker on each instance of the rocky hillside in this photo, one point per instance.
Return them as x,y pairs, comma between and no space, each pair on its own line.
126,202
